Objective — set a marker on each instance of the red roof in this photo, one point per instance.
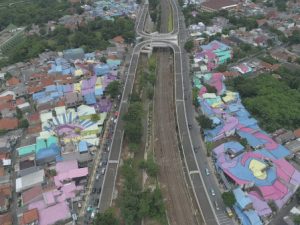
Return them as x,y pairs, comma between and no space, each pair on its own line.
34,129
30,216
34,89
8,123
12,81
31,194
5,219
34,117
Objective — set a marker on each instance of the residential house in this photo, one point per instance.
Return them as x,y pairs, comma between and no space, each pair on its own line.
6,219
8,123
12,82
30,217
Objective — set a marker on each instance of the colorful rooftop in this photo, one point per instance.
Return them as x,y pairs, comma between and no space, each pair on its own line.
213,54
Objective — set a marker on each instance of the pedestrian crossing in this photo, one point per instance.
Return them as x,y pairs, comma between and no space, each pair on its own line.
224,219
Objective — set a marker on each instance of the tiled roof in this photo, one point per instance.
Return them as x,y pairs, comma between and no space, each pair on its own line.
218,4
297,133
30,216
12,81
8,123
5,219
31,194
119,39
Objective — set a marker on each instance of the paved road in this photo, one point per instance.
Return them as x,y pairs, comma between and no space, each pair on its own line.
184,110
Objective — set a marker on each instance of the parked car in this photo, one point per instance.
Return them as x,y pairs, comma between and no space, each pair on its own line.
97,176
103,171
216,205
206,171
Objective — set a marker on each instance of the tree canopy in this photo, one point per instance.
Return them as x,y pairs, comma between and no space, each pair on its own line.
94,36
204,122
106,218
228,198
113,89
274,103
189,45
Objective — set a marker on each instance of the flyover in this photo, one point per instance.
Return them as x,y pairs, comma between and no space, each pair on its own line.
199,185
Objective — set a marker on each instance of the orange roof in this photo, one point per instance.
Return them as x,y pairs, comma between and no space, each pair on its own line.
2,172
12,81
297,133
5,190
8,123
30,216
34,89
119,39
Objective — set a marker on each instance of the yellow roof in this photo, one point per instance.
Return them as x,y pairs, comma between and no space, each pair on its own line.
258,169
77,87
78,72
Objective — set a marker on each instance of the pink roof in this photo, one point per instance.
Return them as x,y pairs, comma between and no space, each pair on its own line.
260,206
71,174
49,198
54,213
65,166
39,205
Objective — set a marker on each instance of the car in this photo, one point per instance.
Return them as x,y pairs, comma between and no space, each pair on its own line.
103,171
93,214
206,171
212,192
105,162
190,126
94,190
229,212
99,191
97,177
216,205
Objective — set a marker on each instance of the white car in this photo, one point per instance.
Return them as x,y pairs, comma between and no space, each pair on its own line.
213,192
103,171
206,171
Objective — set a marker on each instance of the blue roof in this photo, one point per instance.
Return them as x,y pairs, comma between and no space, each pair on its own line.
241,199
90,98
83,146
251,139
248,217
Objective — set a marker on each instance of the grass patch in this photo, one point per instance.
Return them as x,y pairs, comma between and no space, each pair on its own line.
170,22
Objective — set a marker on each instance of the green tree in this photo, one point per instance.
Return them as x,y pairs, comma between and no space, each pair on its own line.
205,122
23,123
296,219
106,218
189,45
7,76
19,113
228,198
113,89
150,166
